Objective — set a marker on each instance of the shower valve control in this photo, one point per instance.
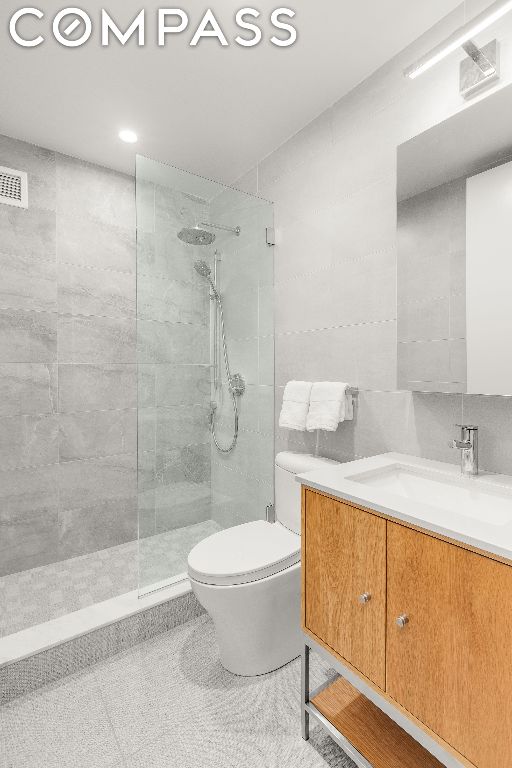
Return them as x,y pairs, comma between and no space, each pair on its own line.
237,384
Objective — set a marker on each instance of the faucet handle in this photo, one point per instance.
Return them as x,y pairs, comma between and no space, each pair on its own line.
467,431
468,444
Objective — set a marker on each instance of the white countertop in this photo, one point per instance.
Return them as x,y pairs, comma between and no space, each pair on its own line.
473,531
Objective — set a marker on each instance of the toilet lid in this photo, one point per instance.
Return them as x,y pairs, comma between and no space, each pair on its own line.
245,553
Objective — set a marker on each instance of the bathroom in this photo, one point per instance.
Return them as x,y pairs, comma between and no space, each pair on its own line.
174,254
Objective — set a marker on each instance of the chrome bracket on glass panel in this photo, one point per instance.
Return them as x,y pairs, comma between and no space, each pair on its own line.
480,69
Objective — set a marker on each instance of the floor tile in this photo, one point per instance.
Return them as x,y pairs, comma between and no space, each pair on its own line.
41,594
167,703
63,726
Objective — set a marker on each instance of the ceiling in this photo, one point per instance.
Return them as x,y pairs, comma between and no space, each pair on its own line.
209,109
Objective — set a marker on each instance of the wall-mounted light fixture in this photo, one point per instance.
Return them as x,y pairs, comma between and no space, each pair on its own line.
462,38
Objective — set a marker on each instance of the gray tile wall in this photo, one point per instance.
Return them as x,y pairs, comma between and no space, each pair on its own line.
432,290
68,386
334,185
174,373
242,481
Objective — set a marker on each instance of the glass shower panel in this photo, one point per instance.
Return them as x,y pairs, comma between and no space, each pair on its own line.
205,355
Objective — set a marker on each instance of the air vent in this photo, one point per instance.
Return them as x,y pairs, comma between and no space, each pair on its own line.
13,187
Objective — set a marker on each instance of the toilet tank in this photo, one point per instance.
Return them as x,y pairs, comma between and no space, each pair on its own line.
288,496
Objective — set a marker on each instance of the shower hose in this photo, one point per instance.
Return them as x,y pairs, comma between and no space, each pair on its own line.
232,392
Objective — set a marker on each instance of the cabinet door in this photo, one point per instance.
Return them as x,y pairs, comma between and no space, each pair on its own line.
344,557
451,664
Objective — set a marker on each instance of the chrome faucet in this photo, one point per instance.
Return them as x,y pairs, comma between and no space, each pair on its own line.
468,446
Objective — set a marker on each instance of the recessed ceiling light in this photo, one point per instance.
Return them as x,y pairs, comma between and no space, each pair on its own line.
129,137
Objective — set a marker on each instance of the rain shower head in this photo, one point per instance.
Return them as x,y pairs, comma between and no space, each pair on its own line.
196,236
202,268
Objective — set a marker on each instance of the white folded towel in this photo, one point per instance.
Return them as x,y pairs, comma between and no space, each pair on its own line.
295,405
331,403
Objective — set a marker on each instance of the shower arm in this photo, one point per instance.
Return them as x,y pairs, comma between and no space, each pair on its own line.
235,230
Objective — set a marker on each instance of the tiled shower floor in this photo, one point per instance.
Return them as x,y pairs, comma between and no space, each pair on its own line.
166,703
32,597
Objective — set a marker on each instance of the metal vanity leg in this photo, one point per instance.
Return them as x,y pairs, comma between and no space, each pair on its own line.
305,692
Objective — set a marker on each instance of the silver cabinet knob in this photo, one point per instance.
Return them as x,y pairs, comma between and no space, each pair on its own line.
365,598
402,620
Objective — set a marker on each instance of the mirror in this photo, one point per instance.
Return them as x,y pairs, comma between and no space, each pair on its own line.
454,200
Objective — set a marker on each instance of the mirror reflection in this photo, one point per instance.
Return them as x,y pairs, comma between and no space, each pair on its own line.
454,198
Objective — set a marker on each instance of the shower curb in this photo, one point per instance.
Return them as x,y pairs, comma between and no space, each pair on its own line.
48,666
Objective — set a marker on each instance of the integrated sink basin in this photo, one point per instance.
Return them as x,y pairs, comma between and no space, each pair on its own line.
467,497
431,495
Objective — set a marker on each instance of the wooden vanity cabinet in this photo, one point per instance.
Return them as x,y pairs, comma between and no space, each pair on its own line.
448,662
344,552
451,664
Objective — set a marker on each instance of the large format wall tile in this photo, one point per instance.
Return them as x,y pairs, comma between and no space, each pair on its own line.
72,252
97,387
90,243
172,343
101,525
180,426
85,291
86,483
27,283
28,337
241,312
164,256
254,453
181,504
376,354
95,216
28,518
38,163
182,384
28,540
189,463
96,340
27,388
28,233
170,301
352,293
236,498
325,355
28,441
89,191
97,434
431,426
26,490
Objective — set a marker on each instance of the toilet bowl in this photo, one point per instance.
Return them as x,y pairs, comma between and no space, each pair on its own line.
248,579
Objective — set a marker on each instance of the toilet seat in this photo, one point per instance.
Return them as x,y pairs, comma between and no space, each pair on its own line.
244,554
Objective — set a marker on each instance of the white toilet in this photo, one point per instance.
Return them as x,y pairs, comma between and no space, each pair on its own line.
248,579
